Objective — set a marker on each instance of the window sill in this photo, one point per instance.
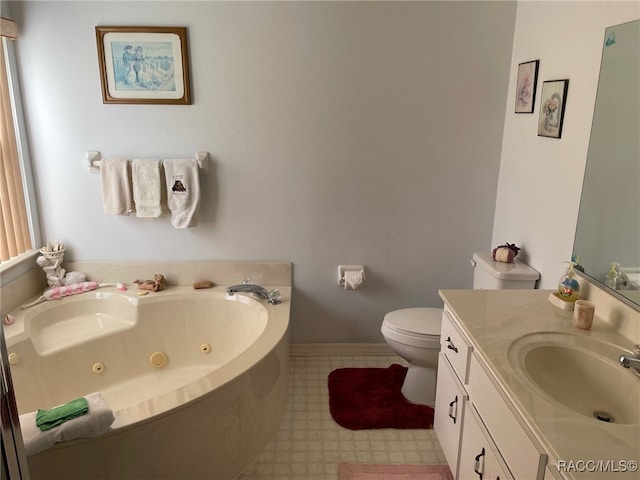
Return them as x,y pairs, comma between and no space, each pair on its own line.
17,266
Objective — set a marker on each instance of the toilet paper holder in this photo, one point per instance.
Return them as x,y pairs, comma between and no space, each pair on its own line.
349,269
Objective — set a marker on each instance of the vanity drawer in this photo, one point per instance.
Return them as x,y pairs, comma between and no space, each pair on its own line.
521,451
455,347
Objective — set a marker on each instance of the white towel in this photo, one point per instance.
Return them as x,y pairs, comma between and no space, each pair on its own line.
146,187
116,186
95,423
183,191
634,279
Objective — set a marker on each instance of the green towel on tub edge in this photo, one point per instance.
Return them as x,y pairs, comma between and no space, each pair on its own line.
47,419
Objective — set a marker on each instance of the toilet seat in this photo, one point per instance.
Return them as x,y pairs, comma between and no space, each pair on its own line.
419,327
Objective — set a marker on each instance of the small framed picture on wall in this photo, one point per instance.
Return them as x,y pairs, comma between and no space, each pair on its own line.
552,103
526,86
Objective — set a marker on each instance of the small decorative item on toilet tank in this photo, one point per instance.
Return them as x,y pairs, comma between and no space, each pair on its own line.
505,253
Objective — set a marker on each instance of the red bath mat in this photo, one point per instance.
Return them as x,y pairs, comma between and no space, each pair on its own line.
366,398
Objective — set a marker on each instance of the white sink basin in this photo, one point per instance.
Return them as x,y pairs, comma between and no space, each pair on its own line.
580,373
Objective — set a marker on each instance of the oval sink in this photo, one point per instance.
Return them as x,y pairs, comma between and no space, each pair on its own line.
579,373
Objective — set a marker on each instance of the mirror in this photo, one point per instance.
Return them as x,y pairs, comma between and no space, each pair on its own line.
608,228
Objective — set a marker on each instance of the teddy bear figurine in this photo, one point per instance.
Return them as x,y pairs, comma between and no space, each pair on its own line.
155,285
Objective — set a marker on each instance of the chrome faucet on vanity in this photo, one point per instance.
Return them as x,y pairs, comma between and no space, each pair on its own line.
631,361
259,292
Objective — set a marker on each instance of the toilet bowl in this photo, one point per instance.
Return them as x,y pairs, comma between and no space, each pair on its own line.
414,334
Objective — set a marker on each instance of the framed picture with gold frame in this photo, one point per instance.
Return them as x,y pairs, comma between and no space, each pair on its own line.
144,65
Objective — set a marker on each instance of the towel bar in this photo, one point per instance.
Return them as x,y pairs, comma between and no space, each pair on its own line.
94,158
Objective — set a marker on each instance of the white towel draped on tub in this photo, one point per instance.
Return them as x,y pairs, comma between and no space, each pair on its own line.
116,186
146,187
95,423
183,191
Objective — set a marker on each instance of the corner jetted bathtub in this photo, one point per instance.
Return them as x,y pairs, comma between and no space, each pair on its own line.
196,379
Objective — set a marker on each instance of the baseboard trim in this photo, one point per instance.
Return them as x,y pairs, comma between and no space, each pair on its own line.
340,349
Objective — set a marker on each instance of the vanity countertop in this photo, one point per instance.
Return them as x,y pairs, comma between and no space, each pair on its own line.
493,320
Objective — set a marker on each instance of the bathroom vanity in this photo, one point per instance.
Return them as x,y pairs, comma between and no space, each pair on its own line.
524,395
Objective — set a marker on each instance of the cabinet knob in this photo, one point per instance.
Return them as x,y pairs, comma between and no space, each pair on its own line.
450,345
476,465
453,409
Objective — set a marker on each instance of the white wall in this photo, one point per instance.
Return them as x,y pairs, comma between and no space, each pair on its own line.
540,178
342,132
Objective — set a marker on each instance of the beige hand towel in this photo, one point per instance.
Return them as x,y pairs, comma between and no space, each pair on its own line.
183,191
146,187
116,186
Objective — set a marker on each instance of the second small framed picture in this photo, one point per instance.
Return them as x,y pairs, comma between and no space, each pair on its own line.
552,103
526,86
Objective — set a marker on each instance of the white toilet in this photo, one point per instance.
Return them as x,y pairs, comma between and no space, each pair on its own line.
414,333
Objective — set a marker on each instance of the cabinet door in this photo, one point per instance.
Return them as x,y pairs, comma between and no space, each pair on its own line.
479,459
551,473
520,449
449,412
499,470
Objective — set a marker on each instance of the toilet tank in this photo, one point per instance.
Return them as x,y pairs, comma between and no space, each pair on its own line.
491,275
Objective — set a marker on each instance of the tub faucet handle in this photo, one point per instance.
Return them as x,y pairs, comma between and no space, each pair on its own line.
275,297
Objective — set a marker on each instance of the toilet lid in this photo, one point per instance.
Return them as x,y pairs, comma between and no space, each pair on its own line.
425,321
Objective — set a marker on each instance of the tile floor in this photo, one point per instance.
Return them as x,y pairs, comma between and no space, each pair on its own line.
310,445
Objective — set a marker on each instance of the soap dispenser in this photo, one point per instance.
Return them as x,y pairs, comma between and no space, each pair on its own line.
569,287
611,279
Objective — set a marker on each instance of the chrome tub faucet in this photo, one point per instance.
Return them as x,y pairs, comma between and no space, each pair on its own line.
257,291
